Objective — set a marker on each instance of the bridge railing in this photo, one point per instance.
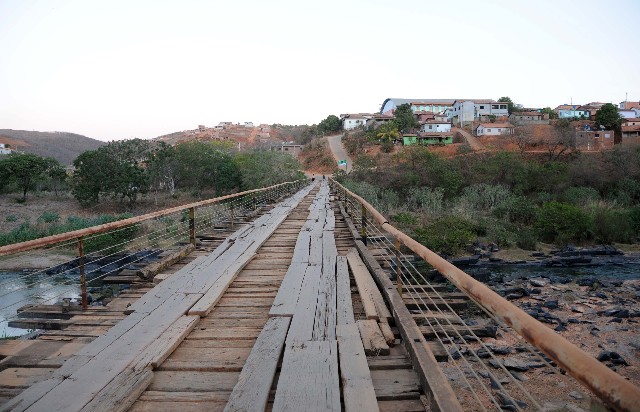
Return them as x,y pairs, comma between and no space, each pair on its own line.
614,390
92,254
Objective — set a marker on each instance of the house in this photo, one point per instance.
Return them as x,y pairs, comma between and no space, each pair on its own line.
627,114
590,109
417,105
292,149
352,121
594,140
569,111
201,128
529,118
248,124
626,105
427,139
377,119
631,131
467,111
434,126
5,149
493,129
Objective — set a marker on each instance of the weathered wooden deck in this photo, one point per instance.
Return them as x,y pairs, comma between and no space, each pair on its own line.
282,315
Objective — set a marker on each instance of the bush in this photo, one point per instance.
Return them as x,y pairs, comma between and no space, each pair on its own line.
426,200
486,197
500,234
526,239
49,217
581,196
562,223
448,235
518,210
11,218
405,218
613,226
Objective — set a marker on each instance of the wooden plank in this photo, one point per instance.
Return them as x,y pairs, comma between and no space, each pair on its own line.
389,336
301,329
190,381
252,390
121,392
286,300
155,267
372,300
372,339
396,384
309,378
357,387
324,323
344,305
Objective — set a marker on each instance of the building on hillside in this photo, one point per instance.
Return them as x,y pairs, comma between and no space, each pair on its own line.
434,126
292,149
493,129
529,118
377,119
627,113
468,111
631,131
569,111
417,105
352,121
627,105
248,124
201,128
594,140
5,149
427,139
590,109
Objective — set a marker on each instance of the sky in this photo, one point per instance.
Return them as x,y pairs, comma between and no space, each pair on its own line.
122,69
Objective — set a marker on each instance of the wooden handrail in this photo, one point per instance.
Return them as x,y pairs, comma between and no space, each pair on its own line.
609,386
50,240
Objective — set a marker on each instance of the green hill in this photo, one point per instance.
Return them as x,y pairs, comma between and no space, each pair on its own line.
62,146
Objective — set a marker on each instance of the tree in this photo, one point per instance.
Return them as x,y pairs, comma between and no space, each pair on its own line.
523,137
552,114
608,117
119,169
404,118
388,131
331,124
24,169
262,168
510,105
561,140
56,172
207,165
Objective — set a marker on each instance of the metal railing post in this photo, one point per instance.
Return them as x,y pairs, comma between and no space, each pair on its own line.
192,225
363,232
83,277
398,275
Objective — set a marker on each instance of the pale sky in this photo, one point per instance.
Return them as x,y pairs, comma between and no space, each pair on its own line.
121,69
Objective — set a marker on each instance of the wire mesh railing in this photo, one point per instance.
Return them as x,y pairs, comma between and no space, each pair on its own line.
489,372
97,253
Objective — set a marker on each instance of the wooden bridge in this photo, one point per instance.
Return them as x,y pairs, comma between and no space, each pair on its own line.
311,303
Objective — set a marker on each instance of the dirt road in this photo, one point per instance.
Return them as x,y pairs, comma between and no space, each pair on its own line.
339,153
471,140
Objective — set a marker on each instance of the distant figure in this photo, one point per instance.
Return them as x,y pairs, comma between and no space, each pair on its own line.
322,177
313,178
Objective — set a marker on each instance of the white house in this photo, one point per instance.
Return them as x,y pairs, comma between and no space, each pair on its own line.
466,111
352,121
493,129
248,124
628,113
4,149
435,126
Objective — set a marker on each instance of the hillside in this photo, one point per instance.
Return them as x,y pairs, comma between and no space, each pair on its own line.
62,146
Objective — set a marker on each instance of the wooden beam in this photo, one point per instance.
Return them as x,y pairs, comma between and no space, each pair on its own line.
357,388
251,393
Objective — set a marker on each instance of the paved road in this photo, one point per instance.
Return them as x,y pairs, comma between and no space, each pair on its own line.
471,140
335,144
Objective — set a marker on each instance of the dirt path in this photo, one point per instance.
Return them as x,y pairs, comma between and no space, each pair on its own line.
339,153
471,140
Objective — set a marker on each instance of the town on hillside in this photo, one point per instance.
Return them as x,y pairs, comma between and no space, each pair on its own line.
593,126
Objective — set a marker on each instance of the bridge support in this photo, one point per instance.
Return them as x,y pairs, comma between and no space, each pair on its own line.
83,277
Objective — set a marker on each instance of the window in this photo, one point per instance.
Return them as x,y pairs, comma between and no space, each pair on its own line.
503,106
488,130
481,107
597,135
499,130
430,126
494,106
607,136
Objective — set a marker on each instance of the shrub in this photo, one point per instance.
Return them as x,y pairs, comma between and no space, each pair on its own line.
562,223
426,200
11,218
613,226
518,210
486,197
449,234
405,218
526,239
500,234
581,196
49,217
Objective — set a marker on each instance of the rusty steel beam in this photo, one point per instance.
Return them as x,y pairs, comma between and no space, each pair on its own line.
607,385
50,240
